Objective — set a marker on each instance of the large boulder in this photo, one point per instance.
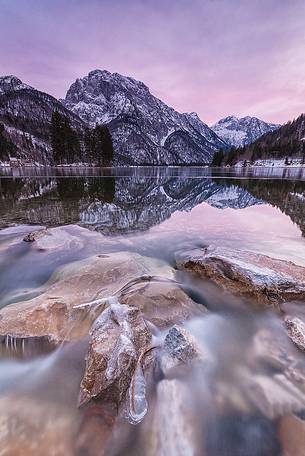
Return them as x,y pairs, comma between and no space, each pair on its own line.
54,313
119,339
58,312
163,302
245,273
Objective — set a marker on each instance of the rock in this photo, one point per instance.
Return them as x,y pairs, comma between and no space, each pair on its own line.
95,430
34,235
179,344
292,435
55,313
296,331
273,396
67,237
163,303
118,338
249,274
28,428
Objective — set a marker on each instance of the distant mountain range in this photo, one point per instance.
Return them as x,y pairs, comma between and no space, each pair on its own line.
283,143
240,132
144,129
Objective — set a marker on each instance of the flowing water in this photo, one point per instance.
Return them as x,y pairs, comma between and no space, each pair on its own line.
155,213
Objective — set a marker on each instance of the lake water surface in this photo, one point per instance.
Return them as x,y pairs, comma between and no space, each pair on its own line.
155,212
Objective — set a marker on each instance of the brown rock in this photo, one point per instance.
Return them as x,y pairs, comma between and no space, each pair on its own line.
245,273
95,429
54,313
292,435
163,303
117,340
28,428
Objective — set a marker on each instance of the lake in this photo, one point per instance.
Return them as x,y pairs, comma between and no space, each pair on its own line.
153,215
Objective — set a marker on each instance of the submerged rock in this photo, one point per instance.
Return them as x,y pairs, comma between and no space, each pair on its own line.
30,428
292,435
163,303
35,235
246,273
57,313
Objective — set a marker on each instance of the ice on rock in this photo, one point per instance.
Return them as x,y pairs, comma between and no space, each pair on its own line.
137,397
123,347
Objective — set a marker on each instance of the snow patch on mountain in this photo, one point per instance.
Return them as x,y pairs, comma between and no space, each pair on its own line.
12,83
144,129
240,132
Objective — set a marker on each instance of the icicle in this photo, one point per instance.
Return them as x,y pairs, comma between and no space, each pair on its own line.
137,397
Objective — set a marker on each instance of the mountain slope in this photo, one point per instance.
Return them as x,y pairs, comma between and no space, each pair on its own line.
240,132
26,115
286,141
144,129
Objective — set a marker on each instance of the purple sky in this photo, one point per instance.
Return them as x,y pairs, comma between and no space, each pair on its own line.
215,57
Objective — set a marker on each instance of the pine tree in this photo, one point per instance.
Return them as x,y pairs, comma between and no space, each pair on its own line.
64,140
7,148
218,158
98,146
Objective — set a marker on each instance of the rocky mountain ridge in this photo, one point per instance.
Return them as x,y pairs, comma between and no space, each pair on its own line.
26,115
144,129
240,132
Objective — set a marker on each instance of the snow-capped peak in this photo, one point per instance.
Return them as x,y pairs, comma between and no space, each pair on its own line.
194,115
227,119
11,83
140,123
238,132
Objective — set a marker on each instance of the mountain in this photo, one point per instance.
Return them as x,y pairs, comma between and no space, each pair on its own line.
26,115
286,141
240,132
144,129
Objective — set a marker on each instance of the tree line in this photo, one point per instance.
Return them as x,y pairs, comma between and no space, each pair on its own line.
93,145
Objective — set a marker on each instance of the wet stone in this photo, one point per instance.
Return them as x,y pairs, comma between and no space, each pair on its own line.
296,331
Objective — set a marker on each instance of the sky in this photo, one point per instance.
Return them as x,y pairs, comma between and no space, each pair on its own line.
213,57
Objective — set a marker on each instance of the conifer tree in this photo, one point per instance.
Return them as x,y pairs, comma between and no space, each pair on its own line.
218,158
64,140
7,148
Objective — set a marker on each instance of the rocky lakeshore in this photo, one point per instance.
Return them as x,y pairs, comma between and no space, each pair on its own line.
126,352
